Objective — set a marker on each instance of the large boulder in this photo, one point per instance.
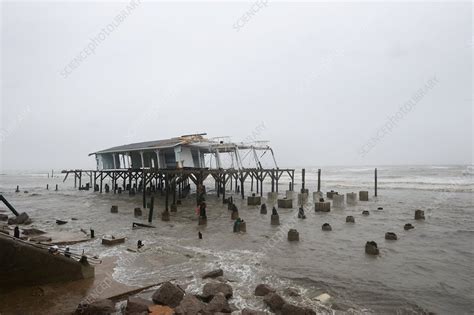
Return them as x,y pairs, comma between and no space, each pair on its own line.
190,305
290,309
218,304
168,294
212,289
99,307
136,305
213,274
274,301
23,218
263,289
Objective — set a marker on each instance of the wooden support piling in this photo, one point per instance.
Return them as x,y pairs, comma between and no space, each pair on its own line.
150,213
375,182
319,179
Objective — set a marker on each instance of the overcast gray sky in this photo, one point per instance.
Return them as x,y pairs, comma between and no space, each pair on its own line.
333,84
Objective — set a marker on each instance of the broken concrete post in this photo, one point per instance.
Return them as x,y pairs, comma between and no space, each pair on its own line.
324,206
338,201
137,212
363,195
263,209
331,193
272,195
17,189
317,195
285,203
254,200
114,209
326,227
350,219
371,248
289,194
243,227
351,198
419,215
365,212
275,219
391,236
408,226
293,235
302,198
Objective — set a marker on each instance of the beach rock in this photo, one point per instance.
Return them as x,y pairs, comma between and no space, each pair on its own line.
326,227
247,311
218,304
350,219
293,235
137,212
168,294
365,212
114,209
263,289
290,309
274,301
3,217
212,289
32,231
23,218
408,226
291,292
419,215
391,236
99,307
190,305
213,274
371,248
158,310
136,305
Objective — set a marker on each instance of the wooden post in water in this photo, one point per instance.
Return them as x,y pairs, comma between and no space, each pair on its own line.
167,192
375,182
144,188
242,180
150,213
223,187
319,179
47,186
80,179
302,179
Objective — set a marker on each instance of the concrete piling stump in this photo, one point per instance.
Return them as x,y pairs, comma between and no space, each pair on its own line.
293,235
254,200
234,215
371,248
330,194
137,212
165,216
363,195
419,215
275,219
322,206
114,209
285,203
350,219
351,198
338,201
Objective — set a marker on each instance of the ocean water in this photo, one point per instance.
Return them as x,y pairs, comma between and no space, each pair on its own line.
428,269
